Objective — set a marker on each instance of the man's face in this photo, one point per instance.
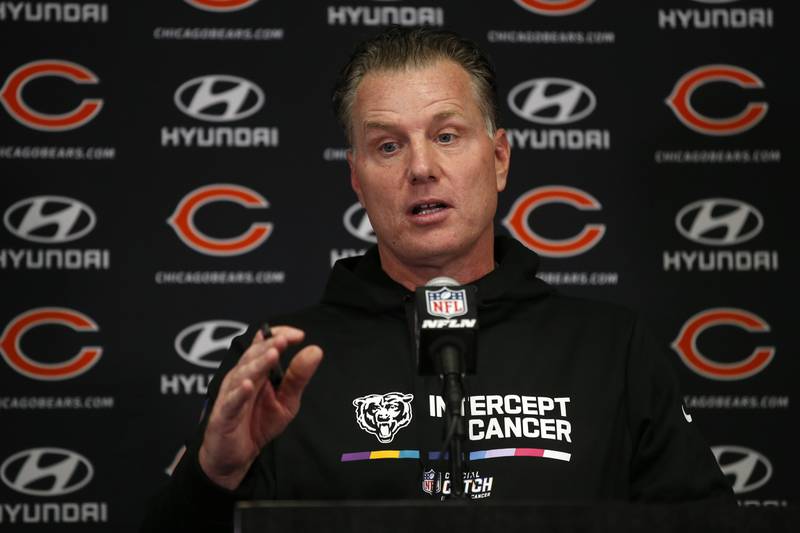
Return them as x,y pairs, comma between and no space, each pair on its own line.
424,165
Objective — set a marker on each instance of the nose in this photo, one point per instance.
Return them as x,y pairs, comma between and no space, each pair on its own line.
421,165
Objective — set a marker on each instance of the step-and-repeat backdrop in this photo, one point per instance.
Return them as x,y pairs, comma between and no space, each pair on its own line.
171,171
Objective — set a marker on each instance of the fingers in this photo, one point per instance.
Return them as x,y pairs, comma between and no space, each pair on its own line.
299,373
265,332
256,351
235,400
258,337
256,367
293,335
240,384
248,380
252,369
282,337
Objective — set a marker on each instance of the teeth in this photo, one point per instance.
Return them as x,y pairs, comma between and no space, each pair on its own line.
424,209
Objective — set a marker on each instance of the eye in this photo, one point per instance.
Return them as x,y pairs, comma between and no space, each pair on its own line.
388,148
446,138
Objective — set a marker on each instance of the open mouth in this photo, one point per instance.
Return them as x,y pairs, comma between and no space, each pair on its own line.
428,208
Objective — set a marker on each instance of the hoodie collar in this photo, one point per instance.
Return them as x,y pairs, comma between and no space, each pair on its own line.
360,282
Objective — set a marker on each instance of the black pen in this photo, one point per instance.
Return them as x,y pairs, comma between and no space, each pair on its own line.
276,372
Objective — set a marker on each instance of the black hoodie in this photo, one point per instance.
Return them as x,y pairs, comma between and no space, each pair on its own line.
573,400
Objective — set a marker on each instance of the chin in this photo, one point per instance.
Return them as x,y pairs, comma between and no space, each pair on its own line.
431,248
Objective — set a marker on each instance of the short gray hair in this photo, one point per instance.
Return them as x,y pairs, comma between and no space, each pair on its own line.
398,48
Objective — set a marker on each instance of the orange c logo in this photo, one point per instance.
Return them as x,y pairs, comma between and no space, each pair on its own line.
182,220
555,7
221,5
680,101
517,221
686,344
12,352
12,98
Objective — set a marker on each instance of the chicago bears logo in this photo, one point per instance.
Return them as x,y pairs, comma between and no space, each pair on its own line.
686,344
221,5
554,8
680,100
11,95
182,220
383,415
517,221
11,345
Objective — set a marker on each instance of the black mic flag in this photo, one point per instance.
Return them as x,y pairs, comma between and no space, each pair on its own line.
446,318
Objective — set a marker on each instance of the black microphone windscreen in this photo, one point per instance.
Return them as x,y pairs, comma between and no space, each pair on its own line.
445,314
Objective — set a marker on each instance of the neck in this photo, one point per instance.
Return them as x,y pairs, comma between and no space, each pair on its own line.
413,274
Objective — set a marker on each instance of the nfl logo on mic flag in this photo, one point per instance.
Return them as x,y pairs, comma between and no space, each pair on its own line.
446,302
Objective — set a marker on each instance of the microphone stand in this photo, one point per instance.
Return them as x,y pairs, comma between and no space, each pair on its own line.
452,366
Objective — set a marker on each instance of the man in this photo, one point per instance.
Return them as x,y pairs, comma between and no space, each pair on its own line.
573,400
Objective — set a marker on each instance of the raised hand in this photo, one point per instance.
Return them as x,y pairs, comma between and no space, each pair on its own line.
248,412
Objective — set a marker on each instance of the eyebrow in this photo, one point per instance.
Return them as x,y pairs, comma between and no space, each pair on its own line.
446,114
438,117
374,125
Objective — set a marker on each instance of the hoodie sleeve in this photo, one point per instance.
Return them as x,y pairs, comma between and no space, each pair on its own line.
671,461
190,501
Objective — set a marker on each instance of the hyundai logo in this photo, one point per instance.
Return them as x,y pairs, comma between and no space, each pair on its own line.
551,101
357,223
49,219
46,471
219,98
750,469
719,221
198,342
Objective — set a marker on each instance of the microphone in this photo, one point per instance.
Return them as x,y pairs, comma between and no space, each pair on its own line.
445,320
445,325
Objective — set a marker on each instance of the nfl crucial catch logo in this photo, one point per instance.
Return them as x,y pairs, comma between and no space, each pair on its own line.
477,486
431,482
446,303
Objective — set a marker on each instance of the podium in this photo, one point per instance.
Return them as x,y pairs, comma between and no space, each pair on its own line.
518,516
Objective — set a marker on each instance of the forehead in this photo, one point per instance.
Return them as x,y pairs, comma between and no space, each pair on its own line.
439,86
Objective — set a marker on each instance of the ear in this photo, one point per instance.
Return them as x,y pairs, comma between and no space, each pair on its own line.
502,158
358,402
354,183
408,397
